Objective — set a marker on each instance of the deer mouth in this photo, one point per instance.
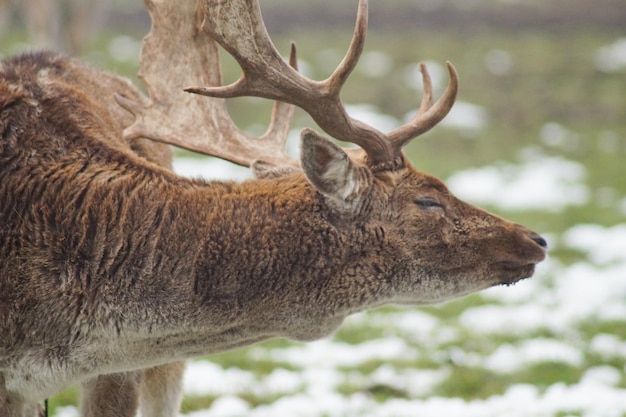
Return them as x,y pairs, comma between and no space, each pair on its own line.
512,272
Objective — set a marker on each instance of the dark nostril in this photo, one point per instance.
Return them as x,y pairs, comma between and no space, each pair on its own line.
540,241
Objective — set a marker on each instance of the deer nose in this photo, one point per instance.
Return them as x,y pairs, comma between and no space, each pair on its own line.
539,240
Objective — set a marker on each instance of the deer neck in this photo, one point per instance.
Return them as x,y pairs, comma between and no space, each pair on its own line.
272,249
262,259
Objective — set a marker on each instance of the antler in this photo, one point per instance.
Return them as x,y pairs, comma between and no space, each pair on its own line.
176,54
238,27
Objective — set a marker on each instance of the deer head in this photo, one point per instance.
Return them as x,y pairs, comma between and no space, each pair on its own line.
438,246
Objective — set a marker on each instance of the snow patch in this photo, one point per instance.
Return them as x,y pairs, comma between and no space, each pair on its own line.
375,64
466,117
540,183
603,245
207,378
210,169
510,358
611,58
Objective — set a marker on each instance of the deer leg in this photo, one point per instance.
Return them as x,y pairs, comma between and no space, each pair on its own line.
15,407
162,390
114,395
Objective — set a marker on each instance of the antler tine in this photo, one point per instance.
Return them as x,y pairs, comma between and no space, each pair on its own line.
282,112
174,54
428,115
427,95
265,74
240,30
340,75
337,122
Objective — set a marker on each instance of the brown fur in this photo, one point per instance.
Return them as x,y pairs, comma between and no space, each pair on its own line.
110,264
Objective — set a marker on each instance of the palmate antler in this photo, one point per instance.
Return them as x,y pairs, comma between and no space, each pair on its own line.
176,54
238,27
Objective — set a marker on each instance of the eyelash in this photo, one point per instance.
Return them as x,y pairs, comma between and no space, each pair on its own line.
428,203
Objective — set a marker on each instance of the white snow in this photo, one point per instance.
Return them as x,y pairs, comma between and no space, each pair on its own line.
210,169
504,319
498,62
327,353
511,358
539,183
67,411
612,58
226,406
375,64
207,378
466,117
372,116
608,346
558,136
124,48
603,245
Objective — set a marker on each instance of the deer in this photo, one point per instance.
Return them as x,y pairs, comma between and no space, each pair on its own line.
114,270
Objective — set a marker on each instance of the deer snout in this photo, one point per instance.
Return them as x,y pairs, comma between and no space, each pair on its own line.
519,261
538,240
535,246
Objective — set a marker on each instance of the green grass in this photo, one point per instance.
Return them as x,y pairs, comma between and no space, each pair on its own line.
65,398
470,383
451,309
594,326
240,358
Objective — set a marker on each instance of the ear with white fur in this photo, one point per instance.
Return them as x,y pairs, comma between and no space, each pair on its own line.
329,169
262,169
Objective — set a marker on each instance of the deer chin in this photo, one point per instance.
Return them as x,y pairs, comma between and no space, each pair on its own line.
510,272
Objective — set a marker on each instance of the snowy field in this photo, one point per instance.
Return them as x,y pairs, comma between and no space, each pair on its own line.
551,346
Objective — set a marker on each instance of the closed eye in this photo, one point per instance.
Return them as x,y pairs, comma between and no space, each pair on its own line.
428,203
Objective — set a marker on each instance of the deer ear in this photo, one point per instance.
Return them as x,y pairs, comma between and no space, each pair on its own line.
329,168
262,169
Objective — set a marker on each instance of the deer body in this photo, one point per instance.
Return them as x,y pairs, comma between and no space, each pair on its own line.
112,268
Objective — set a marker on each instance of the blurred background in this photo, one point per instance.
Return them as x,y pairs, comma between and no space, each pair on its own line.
538,135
